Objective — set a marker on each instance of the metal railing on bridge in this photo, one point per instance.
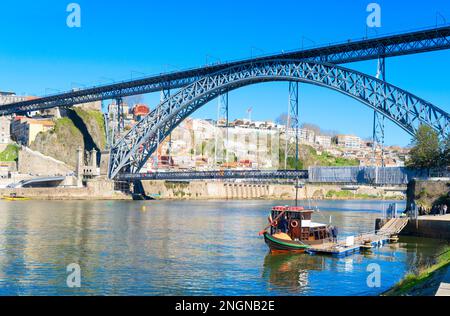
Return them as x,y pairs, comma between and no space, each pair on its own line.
219,175
394,176
364,175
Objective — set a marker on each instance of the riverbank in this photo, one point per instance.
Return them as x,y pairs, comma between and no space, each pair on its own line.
100,189
103,189
424,282
215,190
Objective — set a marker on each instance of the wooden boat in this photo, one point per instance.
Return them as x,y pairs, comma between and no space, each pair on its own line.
15,197
299,235
280,245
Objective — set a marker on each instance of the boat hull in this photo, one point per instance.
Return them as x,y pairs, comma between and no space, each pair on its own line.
277,245
15,199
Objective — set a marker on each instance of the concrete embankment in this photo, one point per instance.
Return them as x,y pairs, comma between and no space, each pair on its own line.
437,227
426,196
95,190
202,190
429,226
206,190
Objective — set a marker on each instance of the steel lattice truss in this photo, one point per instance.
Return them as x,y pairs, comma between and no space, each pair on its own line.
366,49
403,108
219,175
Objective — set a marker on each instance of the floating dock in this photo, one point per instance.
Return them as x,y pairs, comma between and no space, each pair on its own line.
362,242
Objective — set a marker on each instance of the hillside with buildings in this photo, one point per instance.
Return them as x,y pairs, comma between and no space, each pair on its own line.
59,136
199,144
79,128
56,133
206,144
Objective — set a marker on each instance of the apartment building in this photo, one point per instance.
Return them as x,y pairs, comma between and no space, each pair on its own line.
349,141
323,141
11,97
24,130
5,125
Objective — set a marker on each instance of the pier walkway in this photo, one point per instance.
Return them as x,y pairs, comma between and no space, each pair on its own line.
393,227
387,233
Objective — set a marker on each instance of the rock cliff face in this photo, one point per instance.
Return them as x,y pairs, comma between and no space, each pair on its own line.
78,127
426,193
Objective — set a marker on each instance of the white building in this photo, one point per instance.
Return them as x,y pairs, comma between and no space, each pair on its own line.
307,136
5,125
304,135
323,141
11,97
349,141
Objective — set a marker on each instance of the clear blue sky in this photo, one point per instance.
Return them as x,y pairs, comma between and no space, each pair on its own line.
39,54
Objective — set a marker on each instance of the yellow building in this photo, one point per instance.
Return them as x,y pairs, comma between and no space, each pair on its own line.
25,129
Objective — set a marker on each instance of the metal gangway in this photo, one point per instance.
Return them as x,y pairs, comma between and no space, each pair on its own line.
393,226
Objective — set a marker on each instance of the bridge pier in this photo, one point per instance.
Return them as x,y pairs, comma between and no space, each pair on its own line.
378,119
164,95
79,167
292,125
120,118
222,113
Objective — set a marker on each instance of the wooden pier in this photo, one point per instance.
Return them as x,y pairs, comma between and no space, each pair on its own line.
362,242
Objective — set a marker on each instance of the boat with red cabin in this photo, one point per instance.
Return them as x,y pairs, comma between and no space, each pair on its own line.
291,229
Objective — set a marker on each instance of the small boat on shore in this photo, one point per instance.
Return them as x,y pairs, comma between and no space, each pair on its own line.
291,230
15,197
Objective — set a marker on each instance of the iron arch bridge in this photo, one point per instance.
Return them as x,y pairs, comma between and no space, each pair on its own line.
401,107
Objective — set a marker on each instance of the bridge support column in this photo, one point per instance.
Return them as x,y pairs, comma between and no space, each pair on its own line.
120,118
164,95
227,191
79,167
378,119
222,114
292,126
235,191
109,142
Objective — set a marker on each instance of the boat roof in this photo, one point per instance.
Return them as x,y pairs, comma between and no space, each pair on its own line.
298,209
312,224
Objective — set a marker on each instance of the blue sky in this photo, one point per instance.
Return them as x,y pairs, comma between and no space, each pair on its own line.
39,54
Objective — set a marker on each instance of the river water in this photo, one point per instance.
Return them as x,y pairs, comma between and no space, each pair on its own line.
185,248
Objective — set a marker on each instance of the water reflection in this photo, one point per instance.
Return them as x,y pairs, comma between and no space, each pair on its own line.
291,271
182,248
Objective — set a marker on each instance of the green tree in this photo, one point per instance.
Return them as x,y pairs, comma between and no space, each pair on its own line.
445,156
426,150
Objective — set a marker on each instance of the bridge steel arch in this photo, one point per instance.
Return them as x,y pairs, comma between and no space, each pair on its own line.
401,107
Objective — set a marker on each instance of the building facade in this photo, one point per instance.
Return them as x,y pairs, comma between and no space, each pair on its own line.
5,126
349,141
11,97
323,141
24,130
